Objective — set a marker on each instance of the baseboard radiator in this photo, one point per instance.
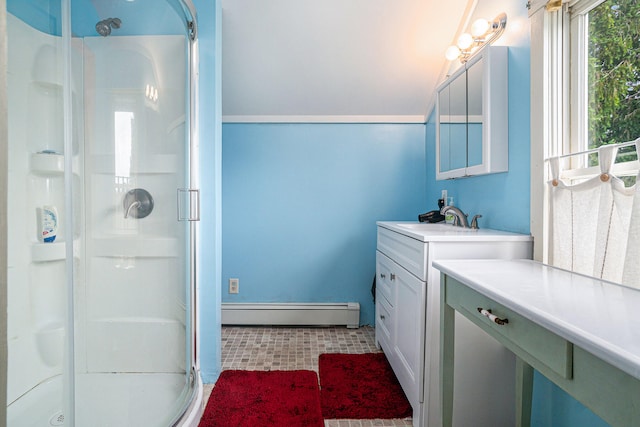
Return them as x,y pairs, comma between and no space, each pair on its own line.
293,314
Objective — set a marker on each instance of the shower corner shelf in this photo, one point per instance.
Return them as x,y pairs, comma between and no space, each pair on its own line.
43,252
47,163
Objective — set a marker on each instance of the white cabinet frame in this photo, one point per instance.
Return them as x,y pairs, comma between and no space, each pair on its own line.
495,114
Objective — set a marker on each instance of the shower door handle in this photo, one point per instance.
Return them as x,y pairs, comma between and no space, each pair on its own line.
188,204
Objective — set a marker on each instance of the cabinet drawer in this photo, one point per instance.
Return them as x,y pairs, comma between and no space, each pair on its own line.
384,277
384,322
409,253
519,335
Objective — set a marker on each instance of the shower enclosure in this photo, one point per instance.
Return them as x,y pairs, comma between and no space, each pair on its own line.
103,211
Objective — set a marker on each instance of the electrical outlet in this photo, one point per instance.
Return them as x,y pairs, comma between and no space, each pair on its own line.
234,286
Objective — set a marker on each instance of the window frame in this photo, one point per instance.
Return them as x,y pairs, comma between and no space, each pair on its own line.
576,14
577,167
559,104
548,112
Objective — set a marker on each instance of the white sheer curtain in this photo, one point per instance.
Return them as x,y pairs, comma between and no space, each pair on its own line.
595,224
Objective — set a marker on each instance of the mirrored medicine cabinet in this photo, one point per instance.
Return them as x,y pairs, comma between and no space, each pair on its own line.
472,117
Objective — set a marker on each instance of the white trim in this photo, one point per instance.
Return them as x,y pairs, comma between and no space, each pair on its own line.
628,168
418,119
547,113
578,85
535,6
299,314
583,6
444,118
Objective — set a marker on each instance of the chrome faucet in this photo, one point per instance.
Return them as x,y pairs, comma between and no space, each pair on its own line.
474,222
460,218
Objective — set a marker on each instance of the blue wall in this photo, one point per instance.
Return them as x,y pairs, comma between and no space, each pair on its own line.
300,203
43,15
210,137
552,407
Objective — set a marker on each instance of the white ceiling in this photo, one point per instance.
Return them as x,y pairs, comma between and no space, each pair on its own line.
335,60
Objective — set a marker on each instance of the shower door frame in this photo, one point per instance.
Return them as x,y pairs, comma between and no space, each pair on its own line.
4,147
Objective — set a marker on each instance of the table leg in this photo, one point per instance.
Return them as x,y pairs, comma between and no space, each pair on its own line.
524,393
447,325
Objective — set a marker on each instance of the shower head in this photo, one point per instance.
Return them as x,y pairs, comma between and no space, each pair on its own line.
104,27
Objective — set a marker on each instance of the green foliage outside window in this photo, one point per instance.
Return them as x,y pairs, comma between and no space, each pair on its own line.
614,73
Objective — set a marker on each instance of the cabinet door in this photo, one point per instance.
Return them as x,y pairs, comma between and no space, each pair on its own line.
475,116
409,334
472,117
385,299
384,323
384,269
451,129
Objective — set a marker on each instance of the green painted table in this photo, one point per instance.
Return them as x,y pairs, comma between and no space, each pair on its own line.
581,333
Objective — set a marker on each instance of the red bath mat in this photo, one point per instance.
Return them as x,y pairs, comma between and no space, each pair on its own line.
259,398
360,386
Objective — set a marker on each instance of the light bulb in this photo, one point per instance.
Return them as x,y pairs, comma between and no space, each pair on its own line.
452,53
479,28
465,41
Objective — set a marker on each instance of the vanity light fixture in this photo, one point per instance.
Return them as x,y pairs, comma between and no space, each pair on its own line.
482,32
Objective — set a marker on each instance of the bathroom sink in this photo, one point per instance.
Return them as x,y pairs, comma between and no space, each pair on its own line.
427,232
435,228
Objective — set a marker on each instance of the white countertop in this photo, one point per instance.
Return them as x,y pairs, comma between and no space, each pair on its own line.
602,318
426,232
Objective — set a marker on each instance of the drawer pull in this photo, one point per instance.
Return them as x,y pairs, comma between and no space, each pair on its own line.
492,317
382,275
393,276
382,316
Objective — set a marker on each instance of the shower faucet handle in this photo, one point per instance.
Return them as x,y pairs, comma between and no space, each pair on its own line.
137,203
134,205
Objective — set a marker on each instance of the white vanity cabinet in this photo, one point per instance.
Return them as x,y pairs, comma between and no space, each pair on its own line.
398,331
408,321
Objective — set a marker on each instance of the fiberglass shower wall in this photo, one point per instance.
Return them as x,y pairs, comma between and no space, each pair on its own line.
37,274
130,271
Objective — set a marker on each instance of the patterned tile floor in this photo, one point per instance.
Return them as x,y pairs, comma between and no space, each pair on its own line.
275,348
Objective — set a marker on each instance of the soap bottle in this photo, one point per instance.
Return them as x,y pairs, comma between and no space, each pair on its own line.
47,217
449,217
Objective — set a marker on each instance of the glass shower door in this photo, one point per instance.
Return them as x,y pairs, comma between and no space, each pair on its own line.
135,302
99,322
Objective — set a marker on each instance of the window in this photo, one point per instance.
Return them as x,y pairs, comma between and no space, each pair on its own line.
585,58
592,224
604,82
